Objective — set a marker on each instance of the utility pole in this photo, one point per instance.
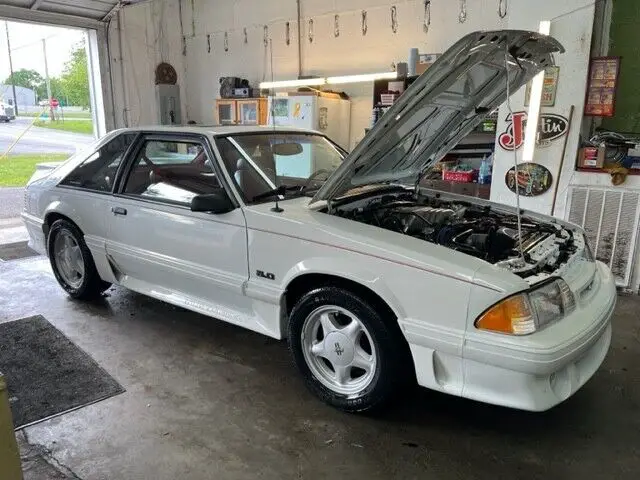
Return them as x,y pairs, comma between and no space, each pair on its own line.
46,75
13,81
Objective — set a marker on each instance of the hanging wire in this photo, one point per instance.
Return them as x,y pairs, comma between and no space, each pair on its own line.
287,33
336,25
363,23
226,42
502,8
245,36
394,19
426,22
265,59
193,18
310,31
265,35
462,16
208,43
515,153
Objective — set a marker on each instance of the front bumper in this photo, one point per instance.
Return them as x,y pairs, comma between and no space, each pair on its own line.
546,367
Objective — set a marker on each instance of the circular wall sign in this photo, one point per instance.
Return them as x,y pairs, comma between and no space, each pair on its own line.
533,179
166,74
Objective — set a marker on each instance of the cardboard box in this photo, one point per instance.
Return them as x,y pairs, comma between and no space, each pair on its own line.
591,157
425,60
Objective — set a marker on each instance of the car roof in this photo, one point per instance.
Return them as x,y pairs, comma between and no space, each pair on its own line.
215,130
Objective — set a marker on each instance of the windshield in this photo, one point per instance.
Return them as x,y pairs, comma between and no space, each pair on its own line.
260,162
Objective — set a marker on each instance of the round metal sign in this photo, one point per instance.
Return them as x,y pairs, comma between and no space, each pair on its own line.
533,179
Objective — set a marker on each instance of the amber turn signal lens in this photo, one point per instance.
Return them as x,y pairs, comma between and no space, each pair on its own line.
513,315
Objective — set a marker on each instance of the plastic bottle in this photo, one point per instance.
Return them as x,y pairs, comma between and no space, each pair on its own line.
484,176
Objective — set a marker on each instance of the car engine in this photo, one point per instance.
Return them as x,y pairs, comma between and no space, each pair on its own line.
474,229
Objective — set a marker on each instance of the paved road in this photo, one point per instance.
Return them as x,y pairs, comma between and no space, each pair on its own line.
11,227
40,140
11,199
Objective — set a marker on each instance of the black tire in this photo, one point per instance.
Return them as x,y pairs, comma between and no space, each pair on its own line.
394,366
92,285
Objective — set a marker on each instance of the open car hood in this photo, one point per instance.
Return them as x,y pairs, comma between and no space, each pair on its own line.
442,106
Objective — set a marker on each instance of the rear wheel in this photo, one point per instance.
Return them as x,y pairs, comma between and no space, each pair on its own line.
351,355
72,262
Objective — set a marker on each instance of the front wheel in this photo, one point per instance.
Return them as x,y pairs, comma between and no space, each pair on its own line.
72,262
351,355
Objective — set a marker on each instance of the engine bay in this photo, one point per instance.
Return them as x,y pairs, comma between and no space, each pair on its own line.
475,229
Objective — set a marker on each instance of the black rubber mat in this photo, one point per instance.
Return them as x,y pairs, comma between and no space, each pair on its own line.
15,251
46,373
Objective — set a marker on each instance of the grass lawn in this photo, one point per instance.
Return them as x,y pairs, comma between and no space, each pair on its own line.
85,114
76,126
17,169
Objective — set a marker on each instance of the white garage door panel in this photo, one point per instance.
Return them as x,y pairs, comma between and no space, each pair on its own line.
93,9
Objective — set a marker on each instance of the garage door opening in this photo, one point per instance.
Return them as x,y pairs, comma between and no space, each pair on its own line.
51,74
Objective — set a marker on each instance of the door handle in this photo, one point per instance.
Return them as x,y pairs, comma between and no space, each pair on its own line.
119,210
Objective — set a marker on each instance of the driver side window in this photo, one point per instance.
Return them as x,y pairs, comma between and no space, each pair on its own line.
171,171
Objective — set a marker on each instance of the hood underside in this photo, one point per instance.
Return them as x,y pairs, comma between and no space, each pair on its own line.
442,106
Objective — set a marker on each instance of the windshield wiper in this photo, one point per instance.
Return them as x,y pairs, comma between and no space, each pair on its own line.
281,190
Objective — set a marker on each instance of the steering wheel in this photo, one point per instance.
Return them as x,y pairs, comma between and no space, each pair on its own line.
312,177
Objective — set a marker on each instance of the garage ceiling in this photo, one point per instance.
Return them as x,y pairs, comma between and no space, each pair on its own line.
37,10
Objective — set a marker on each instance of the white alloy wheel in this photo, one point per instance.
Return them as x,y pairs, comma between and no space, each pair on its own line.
68,259
339,350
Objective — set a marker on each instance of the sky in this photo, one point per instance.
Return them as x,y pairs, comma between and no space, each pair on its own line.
26,47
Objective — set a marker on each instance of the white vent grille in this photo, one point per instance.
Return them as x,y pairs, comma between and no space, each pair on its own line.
610,220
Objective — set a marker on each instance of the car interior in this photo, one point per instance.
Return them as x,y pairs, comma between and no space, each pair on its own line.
197,176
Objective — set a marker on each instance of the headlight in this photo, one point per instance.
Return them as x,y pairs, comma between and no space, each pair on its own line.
528,312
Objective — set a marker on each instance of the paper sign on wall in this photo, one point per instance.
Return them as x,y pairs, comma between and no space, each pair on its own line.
601,89
549,88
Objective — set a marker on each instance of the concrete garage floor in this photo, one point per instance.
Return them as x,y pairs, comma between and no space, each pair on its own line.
207,400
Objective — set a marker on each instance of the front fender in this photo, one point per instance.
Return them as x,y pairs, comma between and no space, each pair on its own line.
349,270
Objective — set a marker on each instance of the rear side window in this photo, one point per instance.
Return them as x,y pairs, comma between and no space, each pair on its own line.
98,171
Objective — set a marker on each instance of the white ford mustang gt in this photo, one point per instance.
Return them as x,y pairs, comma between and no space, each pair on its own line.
373,280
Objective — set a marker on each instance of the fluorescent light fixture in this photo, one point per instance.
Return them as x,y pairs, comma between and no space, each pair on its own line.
303,82
307,82
533,114
545,27
367,77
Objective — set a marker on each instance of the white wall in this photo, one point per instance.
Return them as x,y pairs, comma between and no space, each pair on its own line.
571,24
149,36
349,53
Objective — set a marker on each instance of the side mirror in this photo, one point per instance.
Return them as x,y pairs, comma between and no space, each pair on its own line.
216,202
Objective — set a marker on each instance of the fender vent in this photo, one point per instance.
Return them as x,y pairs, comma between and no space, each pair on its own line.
610,220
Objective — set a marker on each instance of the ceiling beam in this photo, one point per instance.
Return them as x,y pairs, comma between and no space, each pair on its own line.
25,14
36,4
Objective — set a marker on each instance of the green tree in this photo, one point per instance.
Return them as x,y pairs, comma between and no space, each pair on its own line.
28,79
57,89
75,78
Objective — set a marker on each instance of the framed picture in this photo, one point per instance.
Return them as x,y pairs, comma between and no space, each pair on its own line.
533,179
601,87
